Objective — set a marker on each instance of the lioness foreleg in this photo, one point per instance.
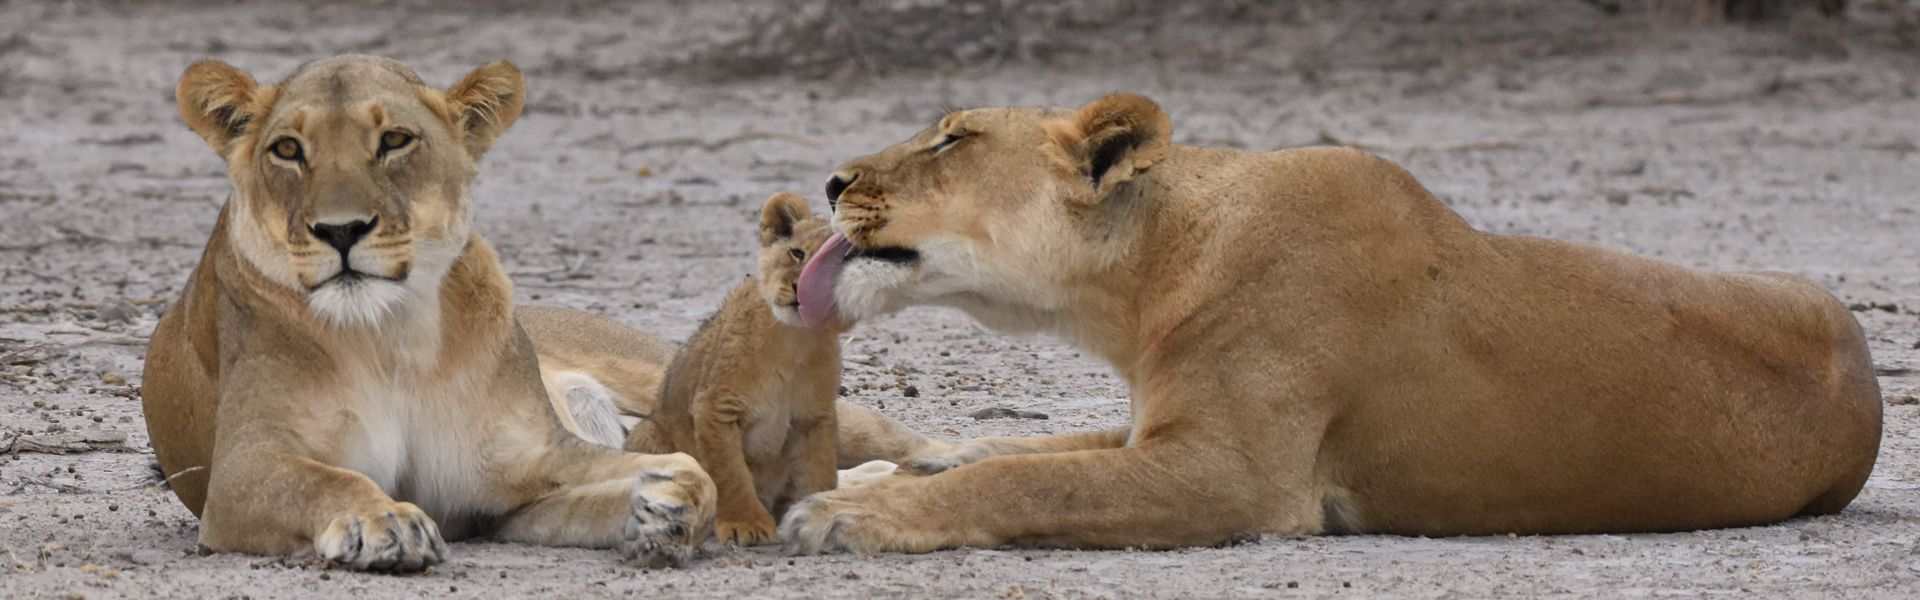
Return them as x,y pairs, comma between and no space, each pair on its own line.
657,508
1160,495
266,498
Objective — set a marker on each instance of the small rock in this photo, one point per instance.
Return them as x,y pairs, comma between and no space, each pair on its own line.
112,378
148,557
119,312
1815,531
863,359
914,392
1001,412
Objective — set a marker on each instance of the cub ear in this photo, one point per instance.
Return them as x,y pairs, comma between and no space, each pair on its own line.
485,103
218,101
1108,136
779,214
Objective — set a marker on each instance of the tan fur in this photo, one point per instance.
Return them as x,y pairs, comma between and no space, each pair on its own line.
752,394
297,408
1315,344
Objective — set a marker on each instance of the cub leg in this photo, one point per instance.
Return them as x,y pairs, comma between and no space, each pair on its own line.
815,466
656,508
266,497
718,440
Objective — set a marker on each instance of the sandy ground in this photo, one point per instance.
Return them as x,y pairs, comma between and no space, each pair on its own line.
629,186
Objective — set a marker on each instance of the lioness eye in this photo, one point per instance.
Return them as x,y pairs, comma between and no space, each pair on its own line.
394,140
288,149
797,254
948,140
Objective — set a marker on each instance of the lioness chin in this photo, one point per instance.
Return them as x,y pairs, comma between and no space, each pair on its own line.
1315,344
344,373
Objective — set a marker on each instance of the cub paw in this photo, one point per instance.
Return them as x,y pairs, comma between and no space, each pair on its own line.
751,531
672,513
398,538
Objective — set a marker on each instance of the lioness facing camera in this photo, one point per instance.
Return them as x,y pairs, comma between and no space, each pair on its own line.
345,373
1314,344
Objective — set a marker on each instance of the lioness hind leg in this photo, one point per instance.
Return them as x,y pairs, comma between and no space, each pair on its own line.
973,451
866,435
655,508
590,409
865,474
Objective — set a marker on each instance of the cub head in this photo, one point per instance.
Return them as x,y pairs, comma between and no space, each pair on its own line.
997,211
350,177
789,235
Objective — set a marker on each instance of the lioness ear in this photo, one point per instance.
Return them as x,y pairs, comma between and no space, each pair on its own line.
779,215
218,102
1109,136
485,103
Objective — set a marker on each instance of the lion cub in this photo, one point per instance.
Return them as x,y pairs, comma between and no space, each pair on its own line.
751,395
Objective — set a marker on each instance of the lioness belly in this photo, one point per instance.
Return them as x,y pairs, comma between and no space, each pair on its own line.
1588,391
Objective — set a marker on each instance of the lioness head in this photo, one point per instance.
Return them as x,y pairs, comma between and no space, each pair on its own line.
996,211
350,177
789,235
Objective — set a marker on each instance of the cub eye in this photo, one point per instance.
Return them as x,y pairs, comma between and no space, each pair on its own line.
394,140
948,140
797,254
289,149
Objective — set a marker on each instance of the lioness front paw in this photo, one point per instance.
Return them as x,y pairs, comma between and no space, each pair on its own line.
398,538
672,514
839,521
754,530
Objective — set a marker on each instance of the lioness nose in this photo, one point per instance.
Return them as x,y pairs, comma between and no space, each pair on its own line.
837,185
342,236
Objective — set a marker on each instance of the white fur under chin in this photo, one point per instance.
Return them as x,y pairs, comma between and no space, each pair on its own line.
1011,298
786,315
361,302
870,288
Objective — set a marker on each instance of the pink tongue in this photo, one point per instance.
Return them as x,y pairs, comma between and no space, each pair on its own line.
816,281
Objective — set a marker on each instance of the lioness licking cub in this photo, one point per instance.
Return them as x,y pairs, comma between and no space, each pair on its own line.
1315,344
